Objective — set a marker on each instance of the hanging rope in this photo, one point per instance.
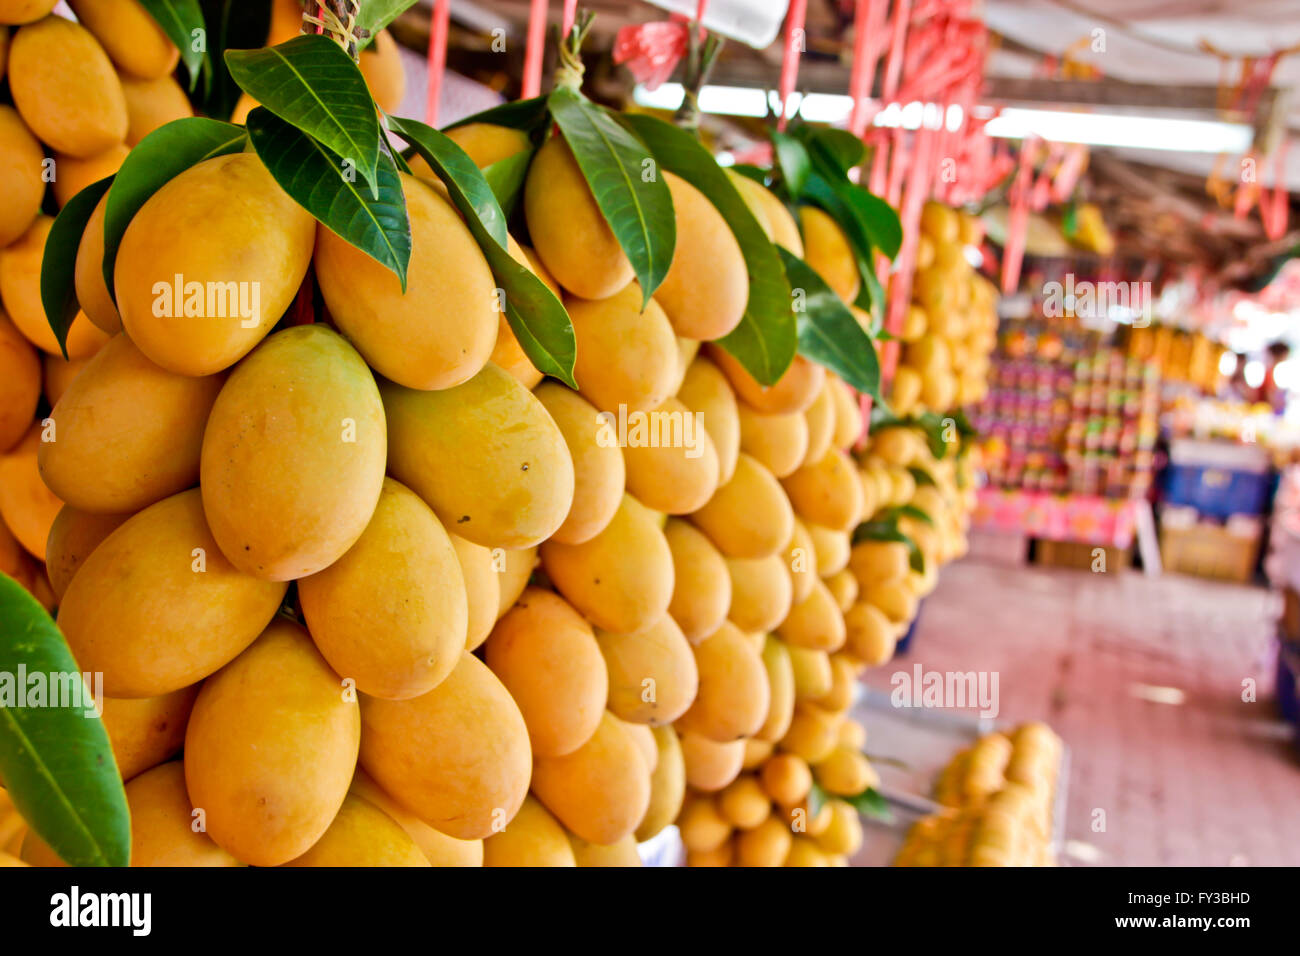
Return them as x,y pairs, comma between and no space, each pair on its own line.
794,23
439,25
867,21
534,50
337,19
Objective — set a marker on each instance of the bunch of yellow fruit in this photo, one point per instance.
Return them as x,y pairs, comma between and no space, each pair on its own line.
1000,791
950,329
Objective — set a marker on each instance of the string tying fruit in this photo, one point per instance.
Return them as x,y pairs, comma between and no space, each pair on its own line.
338,20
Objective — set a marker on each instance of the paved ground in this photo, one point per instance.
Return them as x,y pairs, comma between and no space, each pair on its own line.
1144,680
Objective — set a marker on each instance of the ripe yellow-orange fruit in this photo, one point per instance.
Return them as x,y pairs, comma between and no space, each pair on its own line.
151,104
145,731
458,757
619,853
786,778
114,456
64,86
667,784
701,585
941,223
514,569
761,592
831,548
602,789
162,822
710,764
743,803
162,577
778,442
569,232
438,848
513,482
844,834
895,598
73,535
750,191
73,174
785,231
599,475
801,558
843,587
507,352
545,655
905,391
652,675
870,635
704,389
270,748
812,672
487,143
805,852
733,697
482,588
391,613
874,562
21,157
27,506
768,844
301,421
222,219
707,285
25,11
381,66
781,688
645,742
622,579
702,825
626,357
793,392
820,419
20,289
361,834
813,733
130,36
815,622
749,516
845,772
827,250
532,838
844,677
440,331
827,492
20,384
848,414
88,276
671,462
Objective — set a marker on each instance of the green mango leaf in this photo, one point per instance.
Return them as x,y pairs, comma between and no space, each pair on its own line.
536,316
377,14
506,177
871,296
182,21
232,25
817,798
875,217
59,261
317,179
869,803
886,529
750,171
310,83
56,761
793,161
169,150
829,334
838,149
767,337
614,163
910,511
527,115
921,476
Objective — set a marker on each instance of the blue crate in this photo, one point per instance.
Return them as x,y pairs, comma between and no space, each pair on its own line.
904,642
1217,492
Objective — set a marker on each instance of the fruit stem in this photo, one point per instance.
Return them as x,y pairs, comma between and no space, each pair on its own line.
699,63
568,74
338,20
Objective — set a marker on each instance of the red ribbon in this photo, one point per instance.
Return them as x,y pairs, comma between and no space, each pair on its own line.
794,21
438,27
535,46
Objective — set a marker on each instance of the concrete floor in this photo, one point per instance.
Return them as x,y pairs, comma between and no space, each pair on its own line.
1143,678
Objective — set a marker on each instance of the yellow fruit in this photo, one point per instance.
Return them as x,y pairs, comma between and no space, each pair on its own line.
757,753
362,834
73,535
845,772
381,66
701,585
905,391
672,465
24,11
59,374
458,757
785,232
532,838
687,349
162,823
848,414
569,232
507,352
702,825
827,250
915,324
844,835
92,293
705,390
21,159
843,587
813,733
928,355
601,790
599,474
151,104
64,86
545,655
72,174
781,691
512,484
626,357
852,735
722,856
812,672
749,516
786,779
147,730
130,36
514,569
752,192
667,784
801,559
487,143
620,853
710,764
438,848
482,589
767,844
793,392
875,562
20,289
938,390
778,442
622,579
894,598
733,697
441,330
815,622
652,675
940,223
20,384
895,446
707,286
831,548
827,493
224,217
761,592
820,419
645,742
270,748
27,506
743,804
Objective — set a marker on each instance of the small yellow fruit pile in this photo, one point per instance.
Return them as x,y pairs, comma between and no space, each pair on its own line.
1000,791
950,329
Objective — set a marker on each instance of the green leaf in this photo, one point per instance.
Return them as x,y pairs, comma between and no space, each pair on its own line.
766,339
877,218
613,161
536,316
377,14
921,476
169,150
232,24
871,296
312,84
910,511
869,803
886,529
59,261
506,177
179,19
817,798
829,334
526,115
56,761
314,178
838,149
750,171
793,161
